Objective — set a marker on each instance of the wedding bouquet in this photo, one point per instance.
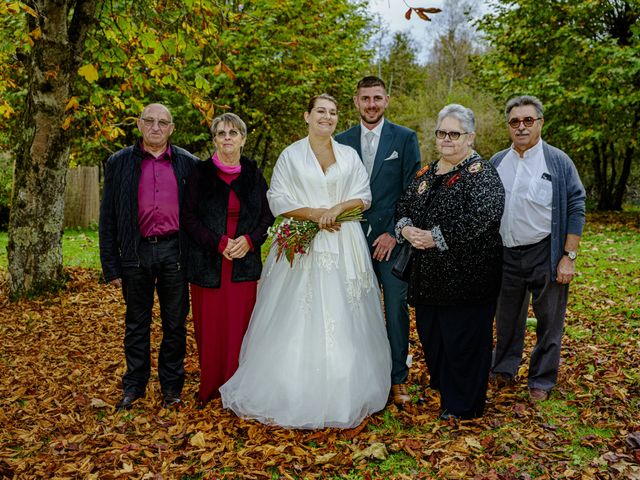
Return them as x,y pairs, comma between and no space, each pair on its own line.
295,236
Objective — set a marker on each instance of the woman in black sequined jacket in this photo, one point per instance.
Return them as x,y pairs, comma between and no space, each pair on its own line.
451,215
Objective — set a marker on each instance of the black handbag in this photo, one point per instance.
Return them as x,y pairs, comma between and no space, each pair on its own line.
402,266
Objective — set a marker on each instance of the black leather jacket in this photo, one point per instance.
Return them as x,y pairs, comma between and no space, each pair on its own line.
119,231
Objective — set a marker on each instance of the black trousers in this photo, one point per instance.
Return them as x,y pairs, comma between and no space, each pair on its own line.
160,271
457,341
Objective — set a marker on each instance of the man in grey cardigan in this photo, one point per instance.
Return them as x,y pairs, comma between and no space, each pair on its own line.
541,227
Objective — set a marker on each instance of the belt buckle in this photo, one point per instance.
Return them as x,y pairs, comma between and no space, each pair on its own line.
152,239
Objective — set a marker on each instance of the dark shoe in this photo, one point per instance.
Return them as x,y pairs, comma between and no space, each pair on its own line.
171,400
538,395
127,401
447,416
502,380
400,394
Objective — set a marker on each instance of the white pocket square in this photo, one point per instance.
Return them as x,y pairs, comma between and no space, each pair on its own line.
393,156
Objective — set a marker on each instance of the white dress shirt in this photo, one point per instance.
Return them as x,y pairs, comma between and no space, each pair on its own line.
528,193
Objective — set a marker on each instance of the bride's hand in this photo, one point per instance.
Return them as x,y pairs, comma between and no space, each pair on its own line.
316,214
327,220
332,228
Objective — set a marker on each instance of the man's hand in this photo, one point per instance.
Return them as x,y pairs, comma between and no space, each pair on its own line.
566,270
116,282
383,246
239,247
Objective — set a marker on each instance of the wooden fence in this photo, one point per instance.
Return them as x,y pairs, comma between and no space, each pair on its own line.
82,197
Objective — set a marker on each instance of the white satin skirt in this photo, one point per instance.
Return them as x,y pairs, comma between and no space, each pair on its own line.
316,352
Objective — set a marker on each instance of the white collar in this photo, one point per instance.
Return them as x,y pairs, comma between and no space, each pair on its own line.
377,130
536,149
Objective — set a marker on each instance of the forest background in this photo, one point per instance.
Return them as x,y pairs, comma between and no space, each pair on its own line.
76,74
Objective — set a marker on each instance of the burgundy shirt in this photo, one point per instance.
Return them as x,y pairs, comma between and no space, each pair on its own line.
158,209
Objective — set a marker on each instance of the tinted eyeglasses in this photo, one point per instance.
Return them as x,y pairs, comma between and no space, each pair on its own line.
441,134
527,121
232,133
148,122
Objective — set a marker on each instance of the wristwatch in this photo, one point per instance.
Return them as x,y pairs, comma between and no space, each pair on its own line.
572,254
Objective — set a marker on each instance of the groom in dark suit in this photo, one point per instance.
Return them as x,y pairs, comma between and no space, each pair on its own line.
391,155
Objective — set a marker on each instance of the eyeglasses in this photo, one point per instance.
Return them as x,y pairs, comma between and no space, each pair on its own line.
222,134
149,122
441,134
527,121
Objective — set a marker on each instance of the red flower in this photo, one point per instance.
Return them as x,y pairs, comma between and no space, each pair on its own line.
293,237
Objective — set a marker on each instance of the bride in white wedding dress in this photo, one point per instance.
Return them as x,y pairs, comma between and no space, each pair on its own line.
316,352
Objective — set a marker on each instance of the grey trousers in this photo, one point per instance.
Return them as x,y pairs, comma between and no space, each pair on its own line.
526,277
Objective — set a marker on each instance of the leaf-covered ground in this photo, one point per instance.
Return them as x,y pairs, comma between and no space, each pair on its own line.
61,362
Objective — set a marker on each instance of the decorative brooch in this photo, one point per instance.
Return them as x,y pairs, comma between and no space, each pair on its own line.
453,179
422,187
422,171
475,167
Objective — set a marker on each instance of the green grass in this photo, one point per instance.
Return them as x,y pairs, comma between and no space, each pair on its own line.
79,249
3,249
608,266
396,463
389,423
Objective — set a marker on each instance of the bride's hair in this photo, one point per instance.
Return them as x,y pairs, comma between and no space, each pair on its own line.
322,96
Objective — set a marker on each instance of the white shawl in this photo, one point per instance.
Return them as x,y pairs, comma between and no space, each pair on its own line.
298,181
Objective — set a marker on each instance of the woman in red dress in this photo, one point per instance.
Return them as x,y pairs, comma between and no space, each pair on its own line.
226,216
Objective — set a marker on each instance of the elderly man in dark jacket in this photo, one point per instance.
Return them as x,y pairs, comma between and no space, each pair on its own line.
142,248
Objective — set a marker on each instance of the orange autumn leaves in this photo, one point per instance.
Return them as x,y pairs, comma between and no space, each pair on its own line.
61,362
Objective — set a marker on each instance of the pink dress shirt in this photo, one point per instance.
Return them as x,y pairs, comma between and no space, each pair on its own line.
158,204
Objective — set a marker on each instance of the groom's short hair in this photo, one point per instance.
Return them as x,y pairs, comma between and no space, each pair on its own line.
371,81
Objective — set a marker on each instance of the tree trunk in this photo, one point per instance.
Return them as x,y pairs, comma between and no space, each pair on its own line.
42,147
630,152
621,185
611,186
598,163
256,145
264,163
